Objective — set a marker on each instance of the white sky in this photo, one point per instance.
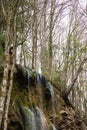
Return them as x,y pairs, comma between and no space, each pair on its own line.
83,2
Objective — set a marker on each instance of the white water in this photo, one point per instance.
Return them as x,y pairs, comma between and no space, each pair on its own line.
52,127
50,86
37,120
40,119
38,79
30,120
34,120
28,76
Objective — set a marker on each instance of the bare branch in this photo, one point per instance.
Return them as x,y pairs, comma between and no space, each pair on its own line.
3,9
70,87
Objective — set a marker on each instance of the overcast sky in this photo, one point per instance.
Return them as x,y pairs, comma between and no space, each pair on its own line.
83,2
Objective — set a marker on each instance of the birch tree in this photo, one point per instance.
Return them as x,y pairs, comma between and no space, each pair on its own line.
51,25
43,39
6,63
34,35
8,14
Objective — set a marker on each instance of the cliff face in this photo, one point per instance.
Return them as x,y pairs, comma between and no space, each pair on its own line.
36,104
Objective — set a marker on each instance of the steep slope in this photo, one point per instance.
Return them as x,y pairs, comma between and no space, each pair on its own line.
37,104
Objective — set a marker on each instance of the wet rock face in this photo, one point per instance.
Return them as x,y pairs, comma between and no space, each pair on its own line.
47,94
41,94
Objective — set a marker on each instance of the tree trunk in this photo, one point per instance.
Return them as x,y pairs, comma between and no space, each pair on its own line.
34,37
75,79
43,53
11,77
5,73
50,53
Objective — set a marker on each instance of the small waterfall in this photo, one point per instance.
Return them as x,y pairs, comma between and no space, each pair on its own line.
41,80
52,127
40,119
28,77
50,88
29,119
38,79
33,120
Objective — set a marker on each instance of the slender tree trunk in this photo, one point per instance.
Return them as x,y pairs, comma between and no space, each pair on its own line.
11,77
50,53
43,54
33,60
5,73
34,37
3,91
75,78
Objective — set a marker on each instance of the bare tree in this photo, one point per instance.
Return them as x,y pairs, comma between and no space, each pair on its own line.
7,59
34,36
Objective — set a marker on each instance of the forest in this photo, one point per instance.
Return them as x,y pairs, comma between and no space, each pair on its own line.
43,65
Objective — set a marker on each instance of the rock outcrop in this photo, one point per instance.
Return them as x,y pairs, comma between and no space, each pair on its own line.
33,90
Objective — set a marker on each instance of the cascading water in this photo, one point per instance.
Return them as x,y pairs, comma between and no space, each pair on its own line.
28,76
30,120
52,127
38,79
50,87
33,120
41,80
40,119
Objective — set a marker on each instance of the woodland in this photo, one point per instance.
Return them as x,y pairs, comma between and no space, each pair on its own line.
43,65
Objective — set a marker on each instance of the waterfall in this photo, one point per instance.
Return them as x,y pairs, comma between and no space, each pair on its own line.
29,119
38,79
33,120
52,127
28,77
41,80
40,119
50,88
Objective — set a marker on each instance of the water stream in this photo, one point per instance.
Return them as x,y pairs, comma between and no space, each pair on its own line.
40,119
28,76
29,121
33,120
50,87
52,127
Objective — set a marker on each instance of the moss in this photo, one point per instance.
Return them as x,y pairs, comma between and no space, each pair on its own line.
32,74
19,92
34,96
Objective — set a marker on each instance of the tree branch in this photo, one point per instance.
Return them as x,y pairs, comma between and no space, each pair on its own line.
70,87
3,9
